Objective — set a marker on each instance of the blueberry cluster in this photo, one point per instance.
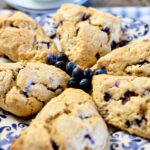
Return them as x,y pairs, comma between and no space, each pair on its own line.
58,61
79,78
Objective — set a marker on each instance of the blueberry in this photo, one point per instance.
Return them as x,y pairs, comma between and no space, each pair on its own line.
51,59
87,136
113,45
25,94
84,84
84,17
88,73
69,67
62,57
61,65
53,36
107,30
78,73
107,96
97,56
127,96
73,82
123,43
128,123
100,71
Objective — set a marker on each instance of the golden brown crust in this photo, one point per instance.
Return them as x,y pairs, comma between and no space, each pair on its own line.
123,101
69,121
22,39
82,35
25,89
133,59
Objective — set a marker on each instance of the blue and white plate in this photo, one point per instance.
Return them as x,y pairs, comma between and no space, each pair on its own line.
10,126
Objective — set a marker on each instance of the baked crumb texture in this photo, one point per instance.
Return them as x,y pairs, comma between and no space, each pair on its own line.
22,39
86,34
130,60
69,121
24,89
124,102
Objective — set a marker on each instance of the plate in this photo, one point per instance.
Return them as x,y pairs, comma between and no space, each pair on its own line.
10,126
35,6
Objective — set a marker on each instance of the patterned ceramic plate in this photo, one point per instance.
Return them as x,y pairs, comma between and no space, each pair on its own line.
10,126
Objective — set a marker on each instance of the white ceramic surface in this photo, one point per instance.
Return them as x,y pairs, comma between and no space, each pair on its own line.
36,6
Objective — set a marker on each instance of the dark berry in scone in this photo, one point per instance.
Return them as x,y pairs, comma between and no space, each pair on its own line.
69,122
124,102
130,60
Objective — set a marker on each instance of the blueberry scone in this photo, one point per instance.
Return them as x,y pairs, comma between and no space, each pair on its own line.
133,59
25,89
86,33
124,101
68,122
22,39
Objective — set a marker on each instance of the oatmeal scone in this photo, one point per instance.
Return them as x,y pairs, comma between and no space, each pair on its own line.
133,59
124,101
25,89
22,39
86,34
68,122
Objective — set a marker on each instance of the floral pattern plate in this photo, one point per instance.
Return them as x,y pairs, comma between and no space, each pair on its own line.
10,126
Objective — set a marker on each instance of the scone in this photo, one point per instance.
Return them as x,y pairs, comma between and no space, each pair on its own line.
25,89
133,59
22,39
68,122
124,101
86,34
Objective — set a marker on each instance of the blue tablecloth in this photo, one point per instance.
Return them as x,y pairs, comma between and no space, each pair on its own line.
141,13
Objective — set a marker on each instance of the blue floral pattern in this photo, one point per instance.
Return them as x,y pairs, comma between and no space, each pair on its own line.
120,140
10,126
134,29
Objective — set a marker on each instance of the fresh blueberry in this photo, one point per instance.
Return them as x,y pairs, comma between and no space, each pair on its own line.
88,73
73,82
69,67
100,71
78,73
61,65
62,57
84,84
51,59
